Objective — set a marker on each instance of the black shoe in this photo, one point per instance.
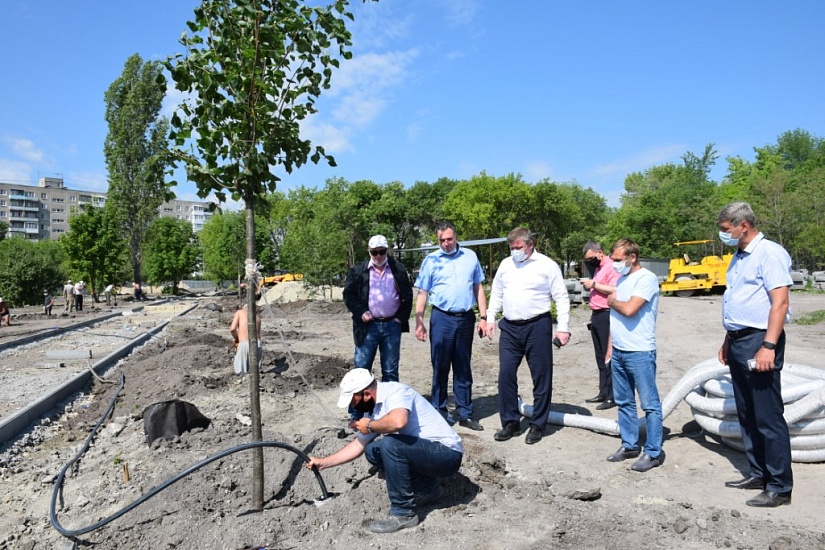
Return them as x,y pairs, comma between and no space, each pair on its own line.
624,454
647,462
509,430
597,399
534,435
769,499
471,424
609,404
749,482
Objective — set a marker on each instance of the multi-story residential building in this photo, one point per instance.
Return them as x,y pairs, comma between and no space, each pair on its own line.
42,212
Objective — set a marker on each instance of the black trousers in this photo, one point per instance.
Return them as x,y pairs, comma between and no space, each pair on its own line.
760,408
532,341
600,334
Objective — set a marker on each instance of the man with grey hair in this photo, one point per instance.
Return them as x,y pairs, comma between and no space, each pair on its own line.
601,286
523,288
755,309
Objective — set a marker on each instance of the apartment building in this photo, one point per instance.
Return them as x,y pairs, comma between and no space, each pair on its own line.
42,212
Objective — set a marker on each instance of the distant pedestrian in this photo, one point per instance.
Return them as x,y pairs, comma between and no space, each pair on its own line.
139,297
48,302
5,313
68,296
79,287
108,293
239,329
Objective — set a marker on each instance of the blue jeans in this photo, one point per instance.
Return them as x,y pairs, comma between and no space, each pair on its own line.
383,336
451,344
411,465
635,371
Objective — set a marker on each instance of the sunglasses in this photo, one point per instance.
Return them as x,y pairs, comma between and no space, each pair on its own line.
378,252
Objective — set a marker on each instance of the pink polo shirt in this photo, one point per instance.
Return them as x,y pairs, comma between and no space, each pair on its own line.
605,275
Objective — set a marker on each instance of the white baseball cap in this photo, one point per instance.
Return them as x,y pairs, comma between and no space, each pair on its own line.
354,381
378,241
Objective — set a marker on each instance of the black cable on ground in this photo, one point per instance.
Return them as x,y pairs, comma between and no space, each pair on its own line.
58,484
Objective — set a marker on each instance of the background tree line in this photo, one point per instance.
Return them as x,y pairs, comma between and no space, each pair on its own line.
321,231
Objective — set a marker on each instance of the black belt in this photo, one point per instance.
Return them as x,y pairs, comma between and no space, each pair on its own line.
520,322
603,310
453,313
742,332
383,319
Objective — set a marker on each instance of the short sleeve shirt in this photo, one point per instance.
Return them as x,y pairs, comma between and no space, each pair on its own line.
636,333
449,279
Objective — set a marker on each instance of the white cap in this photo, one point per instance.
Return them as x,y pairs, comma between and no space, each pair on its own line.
378,241
1,299
69,282
354,381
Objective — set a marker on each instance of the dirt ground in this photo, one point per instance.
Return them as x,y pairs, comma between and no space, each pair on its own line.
559,493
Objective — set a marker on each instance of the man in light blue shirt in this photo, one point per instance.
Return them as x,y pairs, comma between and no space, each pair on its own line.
632,351
754,312
451,279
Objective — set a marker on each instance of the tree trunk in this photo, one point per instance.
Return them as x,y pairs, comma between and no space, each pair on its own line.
254,373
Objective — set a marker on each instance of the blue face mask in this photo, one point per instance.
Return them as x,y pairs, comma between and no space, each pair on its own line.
519,255
728,239
621,268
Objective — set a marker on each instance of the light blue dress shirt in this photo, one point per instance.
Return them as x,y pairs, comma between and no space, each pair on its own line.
449,279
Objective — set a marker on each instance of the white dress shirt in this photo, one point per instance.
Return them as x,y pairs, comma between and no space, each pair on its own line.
524,290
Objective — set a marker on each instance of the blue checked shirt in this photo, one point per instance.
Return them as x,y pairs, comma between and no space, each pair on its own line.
761,267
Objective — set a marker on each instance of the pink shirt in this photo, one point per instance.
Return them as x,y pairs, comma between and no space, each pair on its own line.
384,300
605,275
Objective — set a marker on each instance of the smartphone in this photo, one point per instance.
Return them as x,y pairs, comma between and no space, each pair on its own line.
751,364
557,342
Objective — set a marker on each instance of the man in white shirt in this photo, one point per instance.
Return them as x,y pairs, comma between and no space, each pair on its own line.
402,435
523,288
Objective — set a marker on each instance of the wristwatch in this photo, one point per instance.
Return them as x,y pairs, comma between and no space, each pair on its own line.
369,426
768,345
482,317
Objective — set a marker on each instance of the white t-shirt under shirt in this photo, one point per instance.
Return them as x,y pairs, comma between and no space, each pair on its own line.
636,333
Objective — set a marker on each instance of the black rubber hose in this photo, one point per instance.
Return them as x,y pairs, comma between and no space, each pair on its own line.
58,484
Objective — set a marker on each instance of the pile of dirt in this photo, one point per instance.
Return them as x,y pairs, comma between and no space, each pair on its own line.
293,291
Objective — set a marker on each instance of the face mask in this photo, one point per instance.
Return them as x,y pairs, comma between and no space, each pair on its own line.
728,239
593,262
450,252
518,255
379,264
365,406
621,268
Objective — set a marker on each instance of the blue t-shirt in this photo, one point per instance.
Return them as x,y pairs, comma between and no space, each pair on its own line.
636,333
449,279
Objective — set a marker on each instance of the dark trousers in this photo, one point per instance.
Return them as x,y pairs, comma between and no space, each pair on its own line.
532,340
600,334
760,408
78,302
451,344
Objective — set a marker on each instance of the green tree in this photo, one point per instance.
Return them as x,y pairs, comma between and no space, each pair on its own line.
3,228
251,73
95,248
136,151
171,251
27,268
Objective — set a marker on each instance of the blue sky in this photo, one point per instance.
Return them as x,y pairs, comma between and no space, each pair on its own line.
570,91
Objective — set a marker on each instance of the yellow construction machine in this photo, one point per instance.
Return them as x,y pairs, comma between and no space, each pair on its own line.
686,276
281,276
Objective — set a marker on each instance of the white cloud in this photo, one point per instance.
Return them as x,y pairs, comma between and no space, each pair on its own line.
26,149
537,171
87,181
13,171
460,12
414,131
332,138
640,161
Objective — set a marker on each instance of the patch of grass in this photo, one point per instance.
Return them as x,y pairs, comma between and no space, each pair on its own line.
811,318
